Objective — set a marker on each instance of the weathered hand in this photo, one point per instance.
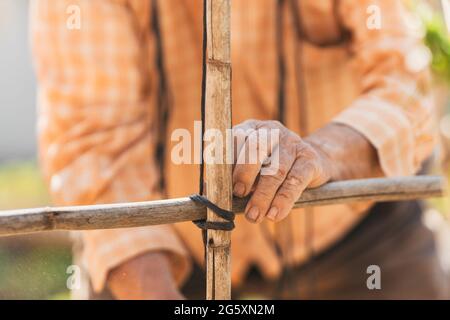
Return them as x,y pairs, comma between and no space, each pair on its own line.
301,164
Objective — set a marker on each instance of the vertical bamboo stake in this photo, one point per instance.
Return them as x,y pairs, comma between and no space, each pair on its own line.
218,117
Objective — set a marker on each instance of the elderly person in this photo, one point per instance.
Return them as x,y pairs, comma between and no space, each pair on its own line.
354,100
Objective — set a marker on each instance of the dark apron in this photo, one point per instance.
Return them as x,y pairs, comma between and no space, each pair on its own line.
392,237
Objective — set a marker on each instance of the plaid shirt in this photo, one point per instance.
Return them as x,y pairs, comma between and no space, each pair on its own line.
98,108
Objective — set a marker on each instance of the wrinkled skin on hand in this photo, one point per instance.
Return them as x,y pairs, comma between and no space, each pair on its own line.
300,165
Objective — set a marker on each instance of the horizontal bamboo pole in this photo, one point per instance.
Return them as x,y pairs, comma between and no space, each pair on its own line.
138,214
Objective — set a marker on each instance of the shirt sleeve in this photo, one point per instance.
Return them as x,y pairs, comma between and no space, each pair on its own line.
394,110
96,120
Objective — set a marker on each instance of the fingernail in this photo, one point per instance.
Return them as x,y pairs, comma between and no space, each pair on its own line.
272,214
253,214
239,189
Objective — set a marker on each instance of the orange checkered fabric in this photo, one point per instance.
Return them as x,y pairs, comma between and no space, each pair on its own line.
97,108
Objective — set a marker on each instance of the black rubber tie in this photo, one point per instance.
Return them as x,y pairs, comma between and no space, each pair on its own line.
203,224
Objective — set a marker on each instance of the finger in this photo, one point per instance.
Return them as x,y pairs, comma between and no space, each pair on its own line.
240,134
249,162
268,185
297,180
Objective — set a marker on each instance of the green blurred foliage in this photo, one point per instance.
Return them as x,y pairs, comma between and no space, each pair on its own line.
33,272
21,186
29,270
438,41
436,36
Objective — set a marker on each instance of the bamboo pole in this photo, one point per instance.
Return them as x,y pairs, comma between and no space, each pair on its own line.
139,214
218,118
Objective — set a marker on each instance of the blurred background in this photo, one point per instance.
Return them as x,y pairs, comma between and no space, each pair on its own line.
31,267
34,266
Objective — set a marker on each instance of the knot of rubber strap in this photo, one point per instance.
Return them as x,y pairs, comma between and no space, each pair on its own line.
203,224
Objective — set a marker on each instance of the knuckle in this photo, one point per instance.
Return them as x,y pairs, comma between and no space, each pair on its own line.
252,123
281,173
248,121
270,124
305,151
242,132
310,169
294,182
263,193
276,123
239,131
287,149
285,194
276,178
245,126
290,142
